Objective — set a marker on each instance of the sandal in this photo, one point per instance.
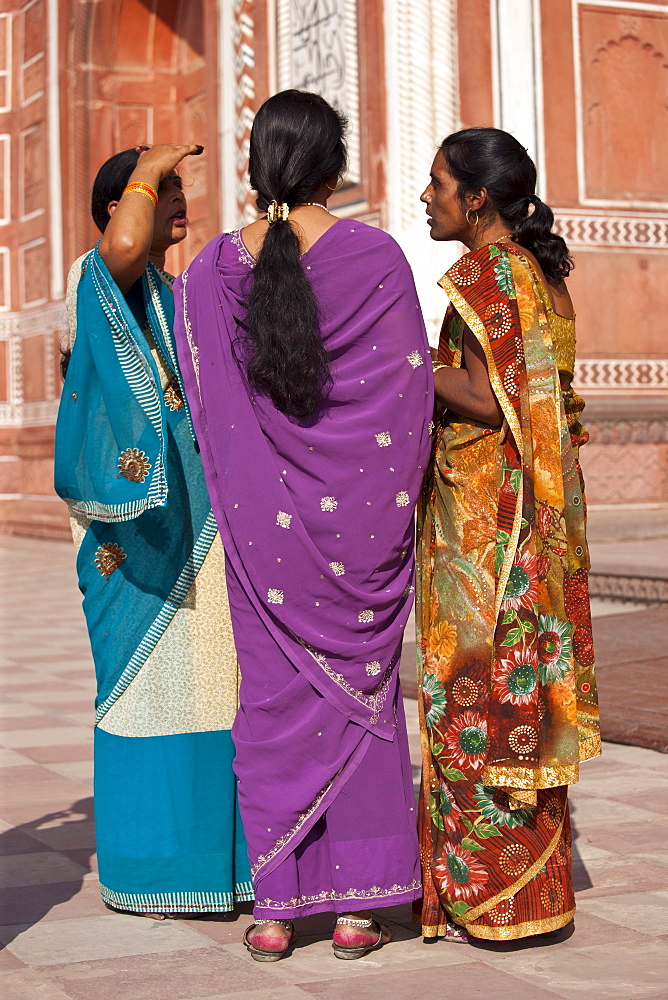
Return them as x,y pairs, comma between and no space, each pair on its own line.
456,934
349,952
264,952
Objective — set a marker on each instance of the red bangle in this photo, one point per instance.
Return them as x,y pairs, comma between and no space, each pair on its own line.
142,188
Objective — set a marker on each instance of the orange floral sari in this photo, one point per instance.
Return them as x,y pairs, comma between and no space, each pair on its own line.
506,668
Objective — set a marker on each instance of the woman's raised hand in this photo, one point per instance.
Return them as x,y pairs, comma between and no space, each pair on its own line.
164,157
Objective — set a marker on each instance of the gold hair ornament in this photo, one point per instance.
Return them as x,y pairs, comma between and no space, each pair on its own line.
278,213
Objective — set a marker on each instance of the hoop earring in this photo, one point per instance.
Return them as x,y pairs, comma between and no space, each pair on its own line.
477,218
336,188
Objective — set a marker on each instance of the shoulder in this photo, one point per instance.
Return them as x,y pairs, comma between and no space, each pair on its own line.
207,257
371,236
374,241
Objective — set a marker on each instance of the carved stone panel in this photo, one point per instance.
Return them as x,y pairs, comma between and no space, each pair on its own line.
33,30
5,280
318,52
33,367
32,79
34,272
134,125
624,55
32,192
5,61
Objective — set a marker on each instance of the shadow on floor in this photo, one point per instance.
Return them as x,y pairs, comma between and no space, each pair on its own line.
22,906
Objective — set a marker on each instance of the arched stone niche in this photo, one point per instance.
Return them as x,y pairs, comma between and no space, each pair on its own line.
142,71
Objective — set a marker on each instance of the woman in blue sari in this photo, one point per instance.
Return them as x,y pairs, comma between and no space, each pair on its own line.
150,563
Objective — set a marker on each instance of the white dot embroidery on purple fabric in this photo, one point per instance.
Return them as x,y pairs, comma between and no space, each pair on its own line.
373,668
338,568
415,359
402,499
283,519
365,616
329,504
383,439
274,596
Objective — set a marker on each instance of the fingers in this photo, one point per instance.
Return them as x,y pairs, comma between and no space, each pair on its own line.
192,150
186,149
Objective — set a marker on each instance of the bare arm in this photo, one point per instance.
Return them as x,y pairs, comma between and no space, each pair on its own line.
127,240
467,390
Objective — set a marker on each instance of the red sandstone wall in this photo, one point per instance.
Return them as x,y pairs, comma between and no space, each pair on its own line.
133,71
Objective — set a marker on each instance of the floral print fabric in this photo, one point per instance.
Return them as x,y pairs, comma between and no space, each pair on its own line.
508,692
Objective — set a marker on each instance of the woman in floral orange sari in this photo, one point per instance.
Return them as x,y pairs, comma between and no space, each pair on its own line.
508,692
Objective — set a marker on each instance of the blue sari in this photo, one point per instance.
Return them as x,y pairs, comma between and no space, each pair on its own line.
151,571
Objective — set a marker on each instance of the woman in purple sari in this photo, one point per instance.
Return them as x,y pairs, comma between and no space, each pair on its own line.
307,368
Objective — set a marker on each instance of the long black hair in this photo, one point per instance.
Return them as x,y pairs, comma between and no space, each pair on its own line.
492,159
297,144
111,181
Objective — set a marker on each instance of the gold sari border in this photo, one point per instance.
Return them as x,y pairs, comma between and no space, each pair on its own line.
521,930
477,328
591,747
512,890
531,777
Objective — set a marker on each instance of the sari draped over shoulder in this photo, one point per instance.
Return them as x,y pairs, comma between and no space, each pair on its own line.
149,562
317,522
508,692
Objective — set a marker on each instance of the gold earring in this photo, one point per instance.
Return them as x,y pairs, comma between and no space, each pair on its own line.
477,218
336,187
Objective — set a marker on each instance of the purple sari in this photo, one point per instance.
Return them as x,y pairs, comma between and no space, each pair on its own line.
317,523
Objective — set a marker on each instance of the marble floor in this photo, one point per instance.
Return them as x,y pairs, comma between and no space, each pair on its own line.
60,942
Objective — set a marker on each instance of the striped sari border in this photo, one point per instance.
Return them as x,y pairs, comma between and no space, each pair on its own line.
145,389
178,902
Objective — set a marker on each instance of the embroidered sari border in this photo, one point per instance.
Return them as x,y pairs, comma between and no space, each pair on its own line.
331,895
168,340
525,929
531,777
140,380
591,747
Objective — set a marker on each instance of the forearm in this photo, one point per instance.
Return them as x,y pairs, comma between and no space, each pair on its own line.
127,239
456,391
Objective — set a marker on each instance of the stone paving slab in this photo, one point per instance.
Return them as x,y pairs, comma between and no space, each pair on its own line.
61,943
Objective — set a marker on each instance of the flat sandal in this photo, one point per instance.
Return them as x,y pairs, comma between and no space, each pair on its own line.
268,954
349,954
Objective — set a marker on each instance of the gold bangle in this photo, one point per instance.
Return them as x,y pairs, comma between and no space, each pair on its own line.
437,367
142,188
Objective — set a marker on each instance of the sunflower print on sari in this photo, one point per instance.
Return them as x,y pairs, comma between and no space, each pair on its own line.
493,805
503,562
433,697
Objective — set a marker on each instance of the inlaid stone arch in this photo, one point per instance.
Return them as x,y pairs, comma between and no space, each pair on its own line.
144,71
